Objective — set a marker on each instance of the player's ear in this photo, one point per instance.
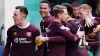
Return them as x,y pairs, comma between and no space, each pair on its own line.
59,15
23,16
49,9
88,11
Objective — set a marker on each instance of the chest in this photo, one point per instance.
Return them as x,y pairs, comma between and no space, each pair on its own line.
22,36
52,30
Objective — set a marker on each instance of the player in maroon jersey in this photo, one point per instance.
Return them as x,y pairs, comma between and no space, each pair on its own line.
92,23
58,29
47,20
20,37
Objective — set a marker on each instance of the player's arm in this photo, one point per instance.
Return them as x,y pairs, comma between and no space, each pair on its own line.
39,51
68,35
56,39
65,35
8,43
90,40
93,44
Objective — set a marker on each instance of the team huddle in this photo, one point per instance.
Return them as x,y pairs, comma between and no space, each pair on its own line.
62,34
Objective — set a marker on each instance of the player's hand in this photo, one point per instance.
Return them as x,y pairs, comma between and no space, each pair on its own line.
96,29
41,38
38,43
88,22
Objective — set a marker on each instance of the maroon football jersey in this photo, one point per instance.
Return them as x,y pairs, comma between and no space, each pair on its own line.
58,29
20,42
45,23
97,19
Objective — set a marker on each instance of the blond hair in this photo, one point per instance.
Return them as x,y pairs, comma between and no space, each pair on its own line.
85,6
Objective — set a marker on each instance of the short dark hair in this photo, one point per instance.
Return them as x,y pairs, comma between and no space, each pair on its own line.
69,8
75,4
47,2
23,9
58,9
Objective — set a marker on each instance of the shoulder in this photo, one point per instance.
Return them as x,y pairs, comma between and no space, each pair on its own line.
50,18
97,18
12,27
69,23
58,25
74,22
32,27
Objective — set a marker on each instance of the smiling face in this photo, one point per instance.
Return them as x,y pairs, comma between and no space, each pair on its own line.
17,16
44,9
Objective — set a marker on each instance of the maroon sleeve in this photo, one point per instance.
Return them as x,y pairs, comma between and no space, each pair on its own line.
40,50
90,40
97,19
36,31
94,44
57,39
8,43
67,34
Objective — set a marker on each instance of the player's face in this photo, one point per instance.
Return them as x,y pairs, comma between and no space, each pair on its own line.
64,15
76,11
83,13
17,17
44,9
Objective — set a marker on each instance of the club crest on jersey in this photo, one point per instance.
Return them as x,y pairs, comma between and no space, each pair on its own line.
15,33
29,34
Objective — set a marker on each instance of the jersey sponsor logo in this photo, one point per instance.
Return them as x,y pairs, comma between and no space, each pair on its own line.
21,40
47,30
28,34
15,33
67,28
16,40
64,28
